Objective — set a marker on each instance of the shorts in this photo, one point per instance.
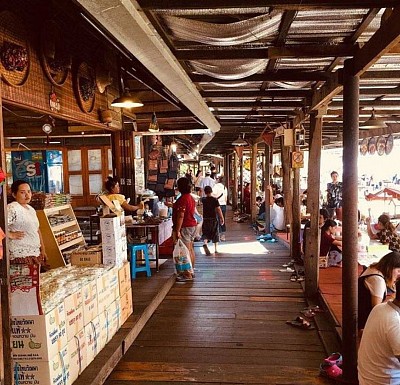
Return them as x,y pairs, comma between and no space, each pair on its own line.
188,234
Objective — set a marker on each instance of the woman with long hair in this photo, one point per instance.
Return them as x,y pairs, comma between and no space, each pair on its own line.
386,232
376,283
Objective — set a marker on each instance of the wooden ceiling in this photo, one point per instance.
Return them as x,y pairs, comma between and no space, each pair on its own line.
304,56
300,63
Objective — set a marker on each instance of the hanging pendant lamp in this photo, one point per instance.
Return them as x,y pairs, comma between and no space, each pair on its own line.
126,100
239,141
372,122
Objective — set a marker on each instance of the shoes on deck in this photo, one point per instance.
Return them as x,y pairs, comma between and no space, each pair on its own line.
206,249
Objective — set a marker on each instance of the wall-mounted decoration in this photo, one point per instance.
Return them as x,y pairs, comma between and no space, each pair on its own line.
389,144
14,50
381,145
85,87
364,146
372,145
54,53
54,102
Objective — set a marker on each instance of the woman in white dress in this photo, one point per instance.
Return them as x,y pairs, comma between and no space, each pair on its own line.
25,243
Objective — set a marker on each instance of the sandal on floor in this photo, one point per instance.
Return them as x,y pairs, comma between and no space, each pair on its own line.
315,309
301,323
293,277
335,358
308,313
329,370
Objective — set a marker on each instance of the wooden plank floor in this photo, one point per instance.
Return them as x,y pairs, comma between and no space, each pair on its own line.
228,325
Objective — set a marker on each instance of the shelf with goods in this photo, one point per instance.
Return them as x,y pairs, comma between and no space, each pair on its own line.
61,233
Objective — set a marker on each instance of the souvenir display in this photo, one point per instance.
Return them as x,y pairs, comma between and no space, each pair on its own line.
372,145
389,144
381,145
364,146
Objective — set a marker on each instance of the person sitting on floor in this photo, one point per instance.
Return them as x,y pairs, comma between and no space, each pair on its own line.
278,215
375,284
385,231
379,352
330,246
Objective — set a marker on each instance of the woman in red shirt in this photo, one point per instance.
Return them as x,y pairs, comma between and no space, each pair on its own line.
183,220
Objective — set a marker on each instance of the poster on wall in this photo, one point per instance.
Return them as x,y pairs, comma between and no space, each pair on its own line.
43,170
139,175
138,148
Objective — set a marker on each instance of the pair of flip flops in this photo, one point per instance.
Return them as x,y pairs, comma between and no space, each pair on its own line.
331,366
301,323
296,278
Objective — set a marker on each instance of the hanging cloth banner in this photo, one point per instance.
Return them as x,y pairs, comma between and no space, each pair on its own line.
268,138
239,151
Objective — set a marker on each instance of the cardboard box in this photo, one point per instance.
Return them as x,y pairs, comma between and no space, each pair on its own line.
77,355
124,278
89,293
104,335
52,372
115,254
38,337
114,316
112,225
323,262
107,288
92,339
87,256
74,313
126,305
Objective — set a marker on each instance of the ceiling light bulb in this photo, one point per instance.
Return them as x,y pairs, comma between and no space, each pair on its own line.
126,100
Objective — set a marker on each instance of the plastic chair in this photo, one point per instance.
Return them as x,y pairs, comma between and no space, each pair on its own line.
133,249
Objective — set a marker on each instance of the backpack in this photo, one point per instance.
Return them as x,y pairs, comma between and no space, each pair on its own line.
364,300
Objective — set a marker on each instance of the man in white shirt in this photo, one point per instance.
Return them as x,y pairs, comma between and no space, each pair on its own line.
278,215
221,193
379,352
206,181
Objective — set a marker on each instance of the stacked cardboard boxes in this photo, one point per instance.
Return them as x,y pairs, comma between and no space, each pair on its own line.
54,348
113,235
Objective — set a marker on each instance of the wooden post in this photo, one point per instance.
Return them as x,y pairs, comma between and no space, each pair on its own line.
253,205
287,181
311,252
241,184
350,222
267,183
295,224
227,175
235,182
5,349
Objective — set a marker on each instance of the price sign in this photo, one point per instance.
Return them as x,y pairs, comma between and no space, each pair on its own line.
297,159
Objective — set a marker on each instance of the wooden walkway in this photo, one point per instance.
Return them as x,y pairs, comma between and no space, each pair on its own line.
228,325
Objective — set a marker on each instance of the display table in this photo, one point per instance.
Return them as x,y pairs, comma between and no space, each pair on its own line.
160,232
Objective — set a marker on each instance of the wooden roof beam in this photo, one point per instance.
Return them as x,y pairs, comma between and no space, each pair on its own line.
288,51
278,4
278,93
385,39
279,75
260,104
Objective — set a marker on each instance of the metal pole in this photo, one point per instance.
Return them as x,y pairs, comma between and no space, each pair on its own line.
350,222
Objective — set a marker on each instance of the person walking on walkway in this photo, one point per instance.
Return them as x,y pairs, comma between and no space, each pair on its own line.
221,193
211,209
206,181
183,220
379,352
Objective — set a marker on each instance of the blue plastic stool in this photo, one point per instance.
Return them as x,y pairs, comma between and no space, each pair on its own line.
134,268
